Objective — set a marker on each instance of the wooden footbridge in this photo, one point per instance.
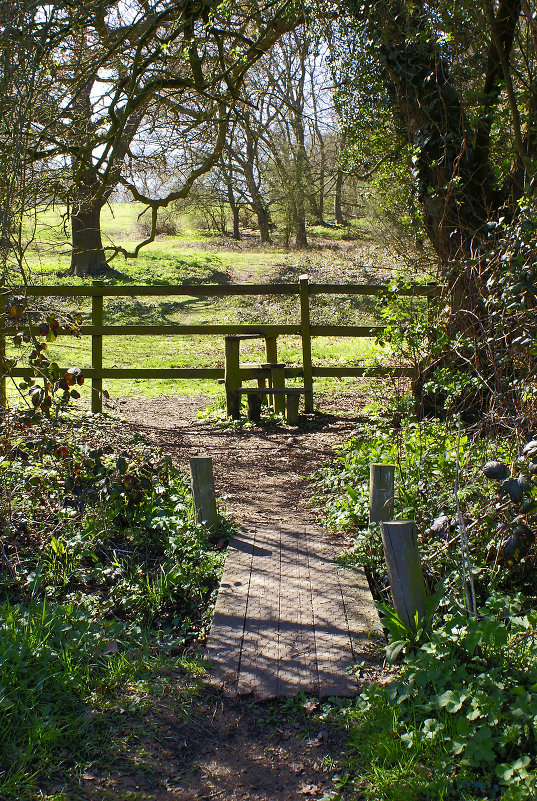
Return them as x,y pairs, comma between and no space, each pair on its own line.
287,619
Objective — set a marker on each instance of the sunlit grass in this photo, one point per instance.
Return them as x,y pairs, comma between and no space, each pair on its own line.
198,257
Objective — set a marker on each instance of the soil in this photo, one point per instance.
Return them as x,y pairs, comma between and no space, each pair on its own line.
215,747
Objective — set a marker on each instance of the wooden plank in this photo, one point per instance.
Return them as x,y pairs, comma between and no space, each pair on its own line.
136,372
371,289
97,317
247,374
360,372
306,332
215,290
346,330
272,331
227,628
271,391
198,290
189,330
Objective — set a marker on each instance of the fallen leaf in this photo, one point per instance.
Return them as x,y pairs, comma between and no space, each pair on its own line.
308,789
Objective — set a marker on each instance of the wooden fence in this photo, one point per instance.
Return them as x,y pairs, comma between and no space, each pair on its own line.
304,290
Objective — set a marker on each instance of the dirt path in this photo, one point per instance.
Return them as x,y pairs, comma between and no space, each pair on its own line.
260,473
224,748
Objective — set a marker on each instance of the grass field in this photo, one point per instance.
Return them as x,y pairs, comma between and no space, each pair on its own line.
194,256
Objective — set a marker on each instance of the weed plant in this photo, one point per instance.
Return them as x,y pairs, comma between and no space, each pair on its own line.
457,720
104,572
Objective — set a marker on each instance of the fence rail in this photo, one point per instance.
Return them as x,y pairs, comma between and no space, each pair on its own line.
270,332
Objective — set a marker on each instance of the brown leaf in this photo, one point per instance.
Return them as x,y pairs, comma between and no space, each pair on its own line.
309,789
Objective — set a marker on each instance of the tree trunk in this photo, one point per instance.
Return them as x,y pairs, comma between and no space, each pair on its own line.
299,204
263,222
338,198
235,212
87,257
236,222
299,213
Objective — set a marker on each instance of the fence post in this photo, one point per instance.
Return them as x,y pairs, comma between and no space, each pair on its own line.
381,491
203,494
232,379
3,378
97,319
277,377
400,544
271,350
305,330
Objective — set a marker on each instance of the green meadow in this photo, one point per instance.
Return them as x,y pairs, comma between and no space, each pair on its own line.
198,257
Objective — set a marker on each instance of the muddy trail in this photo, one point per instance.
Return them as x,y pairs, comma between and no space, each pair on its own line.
214,747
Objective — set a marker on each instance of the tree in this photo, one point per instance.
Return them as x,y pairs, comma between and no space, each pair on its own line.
128,77
459,87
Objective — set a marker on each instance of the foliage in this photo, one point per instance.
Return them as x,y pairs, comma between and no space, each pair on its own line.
425,456
457,721
103,563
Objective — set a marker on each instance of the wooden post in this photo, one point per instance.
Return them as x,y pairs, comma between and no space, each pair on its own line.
278,382
271,349
381,484
97,317
201,471
254,408
404,569
305,330
291,408
232,379
3,378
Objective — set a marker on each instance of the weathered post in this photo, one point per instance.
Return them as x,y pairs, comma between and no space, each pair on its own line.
277,373
232,379
203,494
404,570
271,350
97,317
3,380
292,402
381,491
254,408
305,331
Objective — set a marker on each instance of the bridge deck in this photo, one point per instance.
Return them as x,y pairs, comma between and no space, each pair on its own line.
287,618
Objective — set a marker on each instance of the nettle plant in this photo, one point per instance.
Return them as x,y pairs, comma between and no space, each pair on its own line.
46,386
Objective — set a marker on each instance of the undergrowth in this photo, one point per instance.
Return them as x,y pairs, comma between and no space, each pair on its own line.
457,720
105,579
